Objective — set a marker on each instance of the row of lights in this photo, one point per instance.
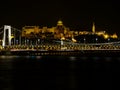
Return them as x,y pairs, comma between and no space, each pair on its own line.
70,47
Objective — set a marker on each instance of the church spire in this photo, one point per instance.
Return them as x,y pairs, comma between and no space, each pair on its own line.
93,28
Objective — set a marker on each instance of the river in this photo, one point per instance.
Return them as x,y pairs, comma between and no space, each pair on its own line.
58,72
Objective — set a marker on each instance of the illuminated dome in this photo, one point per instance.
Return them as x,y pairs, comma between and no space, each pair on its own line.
59,23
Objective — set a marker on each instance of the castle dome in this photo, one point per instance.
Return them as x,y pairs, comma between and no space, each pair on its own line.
59,23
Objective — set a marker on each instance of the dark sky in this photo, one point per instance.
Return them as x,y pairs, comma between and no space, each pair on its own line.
76,14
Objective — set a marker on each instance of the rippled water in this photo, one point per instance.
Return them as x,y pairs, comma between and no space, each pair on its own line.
58,72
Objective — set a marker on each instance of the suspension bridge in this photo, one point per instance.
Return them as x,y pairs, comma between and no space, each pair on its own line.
11,40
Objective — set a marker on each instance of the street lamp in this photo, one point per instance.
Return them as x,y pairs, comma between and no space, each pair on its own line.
17,42
96,40
84,40
38,41
108,39
27,41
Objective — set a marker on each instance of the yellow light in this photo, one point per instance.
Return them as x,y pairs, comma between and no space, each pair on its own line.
63,38
74,40
59,23
11,36
93,28
106,36
114,36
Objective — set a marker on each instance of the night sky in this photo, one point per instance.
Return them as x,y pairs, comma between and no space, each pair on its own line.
76,14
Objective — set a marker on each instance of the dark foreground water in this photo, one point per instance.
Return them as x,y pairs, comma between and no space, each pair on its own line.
59,73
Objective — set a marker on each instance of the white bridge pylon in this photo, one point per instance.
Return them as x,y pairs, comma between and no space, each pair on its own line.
7,28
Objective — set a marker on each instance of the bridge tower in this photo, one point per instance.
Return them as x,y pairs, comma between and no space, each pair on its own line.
7,29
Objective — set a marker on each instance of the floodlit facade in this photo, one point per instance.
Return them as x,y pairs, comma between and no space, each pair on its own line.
61,32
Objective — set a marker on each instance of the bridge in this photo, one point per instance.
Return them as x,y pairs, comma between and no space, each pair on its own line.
9,36
11,39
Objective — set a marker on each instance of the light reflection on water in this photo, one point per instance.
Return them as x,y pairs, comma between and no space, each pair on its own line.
8,57
72,58
108,59
96,58
51,64
82,57
118,58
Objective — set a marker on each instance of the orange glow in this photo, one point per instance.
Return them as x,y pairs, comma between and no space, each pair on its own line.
63,38
74,40
59,23
63,33
106,36
114,36
93,28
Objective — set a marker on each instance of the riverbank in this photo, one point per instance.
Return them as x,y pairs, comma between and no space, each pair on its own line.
63,53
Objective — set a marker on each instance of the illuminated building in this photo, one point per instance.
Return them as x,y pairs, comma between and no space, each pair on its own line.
61,32
30,29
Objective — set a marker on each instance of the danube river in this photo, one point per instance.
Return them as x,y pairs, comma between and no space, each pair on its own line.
59,73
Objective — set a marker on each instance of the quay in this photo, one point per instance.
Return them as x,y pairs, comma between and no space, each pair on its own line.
34,52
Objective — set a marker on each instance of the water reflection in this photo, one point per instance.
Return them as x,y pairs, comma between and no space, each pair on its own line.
72,58
56,72
108,59
8,57
83,58
96,58
38,57
118,59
